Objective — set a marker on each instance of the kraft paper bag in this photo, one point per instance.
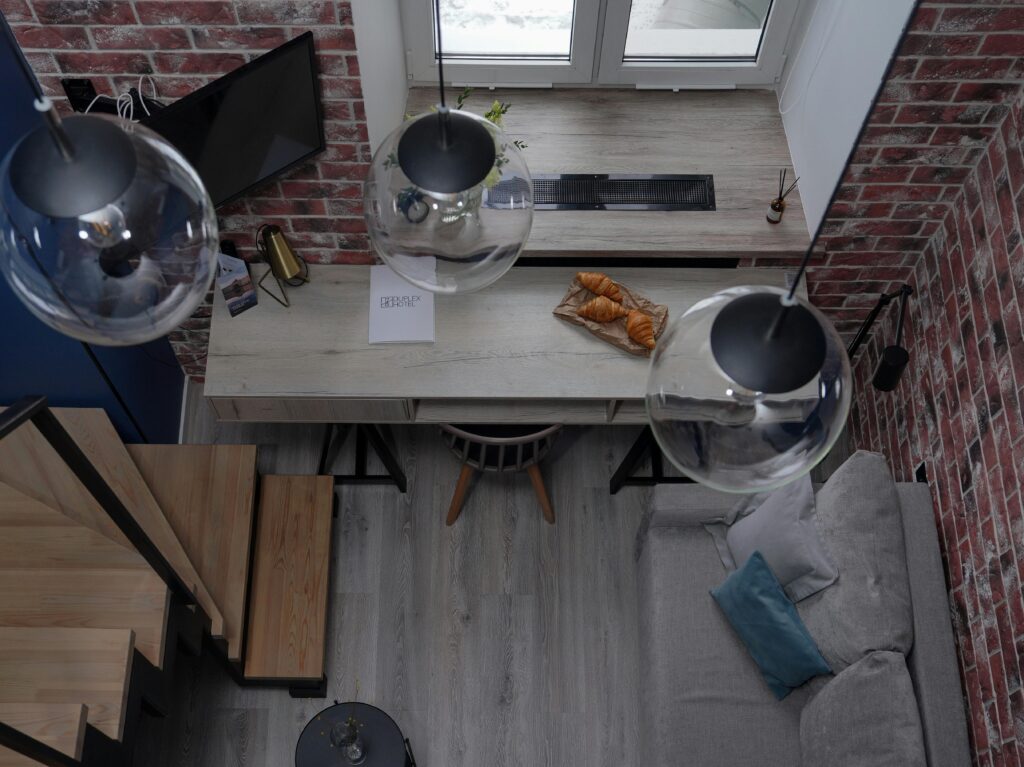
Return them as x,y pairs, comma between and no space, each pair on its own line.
613,332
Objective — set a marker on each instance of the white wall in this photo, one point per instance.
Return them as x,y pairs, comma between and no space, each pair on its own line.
840,52
378,27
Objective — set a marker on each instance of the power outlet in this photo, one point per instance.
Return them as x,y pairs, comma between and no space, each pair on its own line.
81,93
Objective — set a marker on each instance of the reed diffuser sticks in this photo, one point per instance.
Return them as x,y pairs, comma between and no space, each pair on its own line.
778,205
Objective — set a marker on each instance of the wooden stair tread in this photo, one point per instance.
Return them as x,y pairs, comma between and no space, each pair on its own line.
55,572
58,725
95,435
104,599
10,758
29,464
18,510
207,493
288,603
69,665
34,535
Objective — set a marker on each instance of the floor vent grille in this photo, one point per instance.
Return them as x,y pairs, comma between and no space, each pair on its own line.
578,191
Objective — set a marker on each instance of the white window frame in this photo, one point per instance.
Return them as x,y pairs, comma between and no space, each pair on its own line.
709,73
421,63
594,60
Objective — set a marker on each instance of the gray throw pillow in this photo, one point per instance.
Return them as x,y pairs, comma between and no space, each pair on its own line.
782,528
866,715
868,607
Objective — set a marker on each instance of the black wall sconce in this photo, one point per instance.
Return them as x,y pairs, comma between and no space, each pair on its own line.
895,357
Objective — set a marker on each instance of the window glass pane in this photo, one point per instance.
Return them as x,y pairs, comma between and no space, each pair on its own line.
695,29
507,28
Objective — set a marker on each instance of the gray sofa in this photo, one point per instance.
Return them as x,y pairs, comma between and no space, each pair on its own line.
703,700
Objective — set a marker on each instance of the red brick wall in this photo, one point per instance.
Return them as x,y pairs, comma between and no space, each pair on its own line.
958,412
185,44
937,195
943,101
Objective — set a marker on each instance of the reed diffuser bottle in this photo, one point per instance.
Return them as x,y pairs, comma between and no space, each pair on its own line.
778,206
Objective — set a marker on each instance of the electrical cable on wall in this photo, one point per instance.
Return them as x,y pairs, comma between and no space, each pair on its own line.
124,102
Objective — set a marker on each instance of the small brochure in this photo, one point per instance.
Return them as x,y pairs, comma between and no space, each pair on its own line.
236,285
399,312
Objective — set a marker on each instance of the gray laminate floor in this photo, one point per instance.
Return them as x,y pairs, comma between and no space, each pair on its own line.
501,641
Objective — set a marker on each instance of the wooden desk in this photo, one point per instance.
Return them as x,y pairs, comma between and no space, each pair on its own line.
499,355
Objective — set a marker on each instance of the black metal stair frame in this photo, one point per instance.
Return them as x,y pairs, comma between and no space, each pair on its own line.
33,749
149,688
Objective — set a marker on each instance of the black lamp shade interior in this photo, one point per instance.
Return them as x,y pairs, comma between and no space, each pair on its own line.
101,169
447,152
759,360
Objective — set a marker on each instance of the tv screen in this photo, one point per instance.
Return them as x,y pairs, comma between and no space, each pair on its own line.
251,124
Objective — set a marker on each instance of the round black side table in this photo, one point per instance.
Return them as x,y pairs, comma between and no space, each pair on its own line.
384,743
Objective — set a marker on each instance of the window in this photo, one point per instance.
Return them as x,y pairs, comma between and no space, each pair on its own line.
648,43
695,29
503,42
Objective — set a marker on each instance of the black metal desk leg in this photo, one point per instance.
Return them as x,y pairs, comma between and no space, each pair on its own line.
386,456
624,475
633,459
329,449
335,436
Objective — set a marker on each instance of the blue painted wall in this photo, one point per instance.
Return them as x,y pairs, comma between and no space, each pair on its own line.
140,387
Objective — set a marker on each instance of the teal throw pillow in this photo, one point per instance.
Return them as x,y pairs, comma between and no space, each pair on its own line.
766,620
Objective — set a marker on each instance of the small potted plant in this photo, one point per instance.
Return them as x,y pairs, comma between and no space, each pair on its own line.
411,200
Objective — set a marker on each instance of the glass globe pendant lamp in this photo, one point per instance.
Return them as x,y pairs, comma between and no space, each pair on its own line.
107,234
749,389
448,200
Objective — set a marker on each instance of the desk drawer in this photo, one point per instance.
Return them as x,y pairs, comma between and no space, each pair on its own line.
510,411
303,410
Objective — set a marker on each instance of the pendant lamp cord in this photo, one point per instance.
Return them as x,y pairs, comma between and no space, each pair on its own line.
789,299
42,104
57,133
440,51
443,119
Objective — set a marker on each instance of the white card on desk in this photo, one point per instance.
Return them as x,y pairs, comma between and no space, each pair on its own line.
399,311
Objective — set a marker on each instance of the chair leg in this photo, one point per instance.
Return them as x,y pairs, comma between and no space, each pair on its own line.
460,494
542,493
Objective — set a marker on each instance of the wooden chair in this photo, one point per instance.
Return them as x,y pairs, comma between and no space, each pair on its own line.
499,448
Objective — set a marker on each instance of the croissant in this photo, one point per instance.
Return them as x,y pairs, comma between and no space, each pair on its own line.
640,328
602,309
599,283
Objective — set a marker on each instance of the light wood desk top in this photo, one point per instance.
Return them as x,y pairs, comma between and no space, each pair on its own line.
735,135
499,354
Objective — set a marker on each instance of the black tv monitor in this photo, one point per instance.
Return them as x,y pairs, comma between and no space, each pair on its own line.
250,125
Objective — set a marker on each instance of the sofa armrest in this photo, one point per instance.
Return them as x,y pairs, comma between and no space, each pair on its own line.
683,506
933,659
691,505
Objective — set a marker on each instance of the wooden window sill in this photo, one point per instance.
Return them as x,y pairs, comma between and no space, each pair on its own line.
735,135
